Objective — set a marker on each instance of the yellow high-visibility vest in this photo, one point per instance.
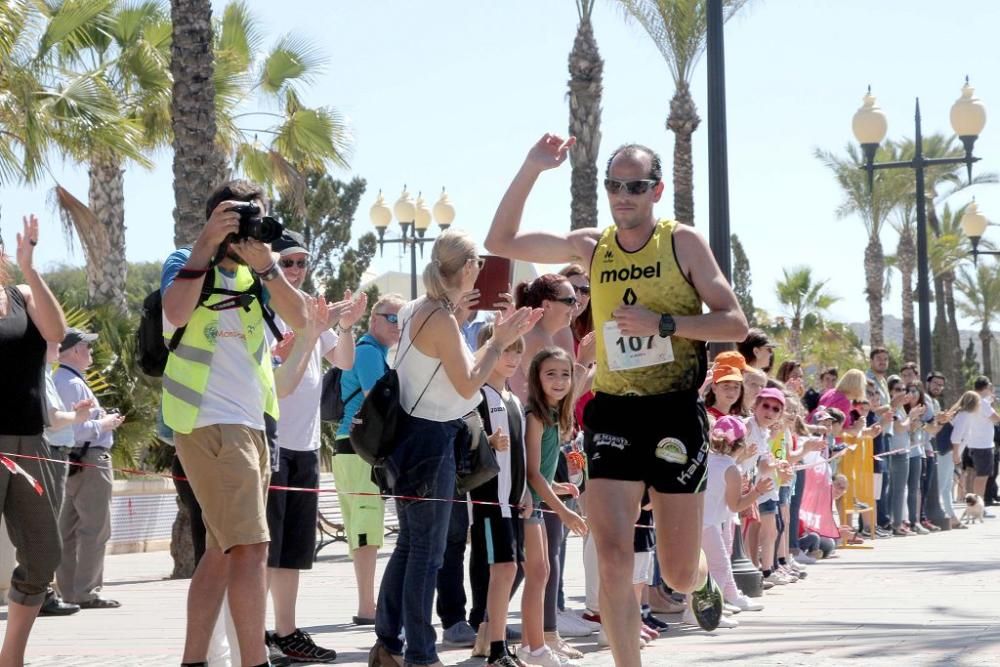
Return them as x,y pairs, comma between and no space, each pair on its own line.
188,367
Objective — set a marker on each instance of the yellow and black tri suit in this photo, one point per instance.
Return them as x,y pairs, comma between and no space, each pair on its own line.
646,423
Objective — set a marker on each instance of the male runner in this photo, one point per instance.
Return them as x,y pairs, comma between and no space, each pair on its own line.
646,427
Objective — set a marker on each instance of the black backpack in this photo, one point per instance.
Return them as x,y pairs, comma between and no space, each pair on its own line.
152,353
332,403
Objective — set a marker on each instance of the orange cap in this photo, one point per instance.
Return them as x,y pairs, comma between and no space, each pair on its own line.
726,374
731,358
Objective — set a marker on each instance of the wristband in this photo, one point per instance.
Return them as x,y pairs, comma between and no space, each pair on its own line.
270,273
343,330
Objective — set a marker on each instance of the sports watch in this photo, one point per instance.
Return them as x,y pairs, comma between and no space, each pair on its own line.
667,326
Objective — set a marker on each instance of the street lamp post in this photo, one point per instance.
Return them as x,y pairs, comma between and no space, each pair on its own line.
968,117
974,226
414,218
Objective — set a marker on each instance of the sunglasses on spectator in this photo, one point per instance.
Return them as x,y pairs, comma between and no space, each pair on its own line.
391,318
582,289
640,187
568,300
289,263
771,407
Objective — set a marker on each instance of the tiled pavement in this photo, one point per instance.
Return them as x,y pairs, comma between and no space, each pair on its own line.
929,600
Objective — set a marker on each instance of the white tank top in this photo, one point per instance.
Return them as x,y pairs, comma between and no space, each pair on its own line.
441,402
716,511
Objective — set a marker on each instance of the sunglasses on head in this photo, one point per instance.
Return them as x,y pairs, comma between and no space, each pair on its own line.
391,318
289,263
582,289
568,300
639,187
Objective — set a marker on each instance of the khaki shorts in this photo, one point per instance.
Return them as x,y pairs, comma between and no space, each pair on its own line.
229,469
364,515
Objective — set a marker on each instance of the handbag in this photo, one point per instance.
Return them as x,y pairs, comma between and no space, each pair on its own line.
374,429
475,461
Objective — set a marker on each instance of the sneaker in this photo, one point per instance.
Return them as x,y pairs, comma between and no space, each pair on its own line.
792,577
745,603
569,625
688,618
300,646
555,642
776,578
796,569
731,608
805,559
584,620
655,623
706,605
902,531
934,528
546,658
506,660
919,530
602,639
460,634
766,585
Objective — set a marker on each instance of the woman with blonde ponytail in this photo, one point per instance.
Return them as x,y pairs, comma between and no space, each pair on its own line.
439,382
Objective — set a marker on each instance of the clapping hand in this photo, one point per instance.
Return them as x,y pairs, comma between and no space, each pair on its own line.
587,352
355,311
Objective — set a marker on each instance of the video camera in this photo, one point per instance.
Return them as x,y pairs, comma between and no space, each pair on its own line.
255,226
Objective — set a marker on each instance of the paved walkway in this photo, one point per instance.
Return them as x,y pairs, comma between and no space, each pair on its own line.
929,600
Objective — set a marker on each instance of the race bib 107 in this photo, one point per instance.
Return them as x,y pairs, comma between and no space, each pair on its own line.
628,352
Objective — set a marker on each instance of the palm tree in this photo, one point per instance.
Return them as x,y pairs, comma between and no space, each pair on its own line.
128,44
198,164
45,107
873,208
803,298
677,28
586,69
981,303
296,139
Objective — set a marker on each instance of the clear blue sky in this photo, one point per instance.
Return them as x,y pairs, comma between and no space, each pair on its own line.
453,93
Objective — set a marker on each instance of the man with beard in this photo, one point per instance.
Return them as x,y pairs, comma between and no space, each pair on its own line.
650,279
218,386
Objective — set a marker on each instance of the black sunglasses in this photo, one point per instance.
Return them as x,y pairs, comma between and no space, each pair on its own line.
582,289
289,263
614,186
568,300
391,318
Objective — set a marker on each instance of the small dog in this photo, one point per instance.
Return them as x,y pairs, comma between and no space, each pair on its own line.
974,509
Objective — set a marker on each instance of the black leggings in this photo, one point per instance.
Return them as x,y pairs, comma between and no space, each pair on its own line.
554,538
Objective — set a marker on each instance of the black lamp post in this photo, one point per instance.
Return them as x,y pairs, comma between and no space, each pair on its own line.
968,116
974,225
748,578
414,217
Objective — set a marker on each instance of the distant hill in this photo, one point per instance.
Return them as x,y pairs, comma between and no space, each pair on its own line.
893,332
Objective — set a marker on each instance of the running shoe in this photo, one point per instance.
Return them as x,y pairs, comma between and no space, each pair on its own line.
730,609
706,605
300,646
459,634
505,660
919,530
804,559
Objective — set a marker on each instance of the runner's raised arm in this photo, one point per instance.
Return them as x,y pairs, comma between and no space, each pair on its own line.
505,237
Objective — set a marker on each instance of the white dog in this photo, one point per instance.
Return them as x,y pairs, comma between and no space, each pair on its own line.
974,508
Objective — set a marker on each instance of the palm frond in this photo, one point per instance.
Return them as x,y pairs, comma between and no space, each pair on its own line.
74,25
292,61
311,138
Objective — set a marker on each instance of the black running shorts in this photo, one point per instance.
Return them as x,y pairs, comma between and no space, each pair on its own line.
498,539
661,440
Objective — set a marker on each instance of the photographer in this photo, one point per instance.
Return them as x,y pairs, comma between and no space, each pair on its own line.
85,519
217,387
